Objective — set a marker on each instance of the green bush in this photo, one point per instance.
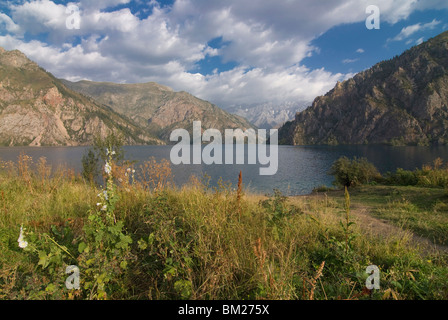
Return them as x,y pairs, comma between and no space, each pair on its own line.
322,188
353,172
431,176
401,178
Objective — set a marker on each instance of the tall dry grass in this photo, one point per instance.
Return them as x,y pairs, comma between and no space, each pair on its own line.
197,242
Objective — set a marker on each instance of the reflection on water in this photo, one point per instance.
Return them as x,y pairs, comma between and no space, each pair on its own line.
300,168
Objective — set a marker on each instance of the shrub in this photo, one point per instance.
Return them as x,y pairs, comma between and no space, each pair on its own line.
353,172
322,188
402,178
428,176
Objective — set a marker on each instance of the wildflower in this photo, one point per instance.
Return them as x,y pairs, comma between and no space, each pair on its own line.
22,243
105,195
104,208
107,168
98,204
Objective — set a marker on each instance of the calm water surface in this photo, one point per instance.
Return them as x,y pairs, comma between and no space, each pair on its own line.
300,168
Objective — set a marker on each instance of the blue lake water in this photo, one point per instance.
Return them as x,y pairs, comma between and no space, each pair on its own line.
300,168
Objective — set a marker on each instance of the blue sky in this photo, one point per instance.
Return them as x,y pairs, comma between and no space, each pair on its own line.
353,48
233,52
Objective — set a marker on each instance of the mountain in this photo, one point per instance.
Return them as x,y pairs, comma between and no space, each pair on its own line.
402,101
268,115
36,109
158,108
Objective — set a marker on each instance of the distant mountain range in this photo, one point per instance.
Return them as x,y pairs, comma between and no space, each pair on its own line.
268,115
36,109
158,109
402,101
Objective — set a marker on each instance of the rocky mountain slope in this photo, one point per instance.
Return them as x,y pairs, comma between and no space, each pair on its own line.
158,108
403,101
36,109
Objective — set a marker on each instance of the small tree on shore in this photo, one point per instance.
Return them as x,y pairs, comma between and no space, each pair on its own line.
90,167
349,173
91,161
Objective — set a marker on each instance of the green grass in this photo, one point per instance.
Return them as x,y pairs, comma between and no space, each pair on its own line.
199,242
421,210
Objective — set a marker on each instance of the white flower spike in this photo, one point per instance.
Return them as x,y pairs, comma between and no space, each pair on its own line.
22,243
107,168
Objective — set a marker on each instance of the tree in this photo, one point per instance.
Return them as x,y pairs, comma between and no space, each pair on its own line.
112,143
90,169
353,172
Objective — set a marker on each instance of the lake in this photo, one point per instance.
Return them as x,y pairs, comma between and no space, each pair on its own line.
300,168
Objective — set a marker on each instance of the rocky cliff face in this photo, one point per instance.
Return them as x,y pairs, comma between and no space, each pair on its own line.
36,109
403,101
158,108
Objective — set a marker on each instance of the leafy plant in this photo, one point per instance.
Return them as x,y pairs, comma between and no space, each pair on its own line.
354,172
105,251
345,247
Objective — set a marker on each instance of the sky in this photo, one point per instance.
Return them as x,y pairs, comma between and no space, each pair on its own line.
231,53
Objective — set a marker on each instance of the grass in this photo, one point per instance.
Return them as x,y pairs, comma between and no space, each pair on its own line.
422,210
198,242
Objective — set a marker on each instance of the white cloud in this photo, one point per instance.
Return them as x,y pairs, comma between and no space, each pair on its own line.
347,61
360,50
39,16
420,41
410,30
101,4
9,24
258,85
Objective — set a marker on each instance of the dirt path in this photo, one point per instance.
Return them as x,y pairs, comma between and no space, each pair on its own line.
380,227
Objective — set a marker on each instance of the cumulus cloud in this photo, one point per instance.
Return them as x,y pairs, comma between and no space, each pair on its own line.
266,39
258,85
39,16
